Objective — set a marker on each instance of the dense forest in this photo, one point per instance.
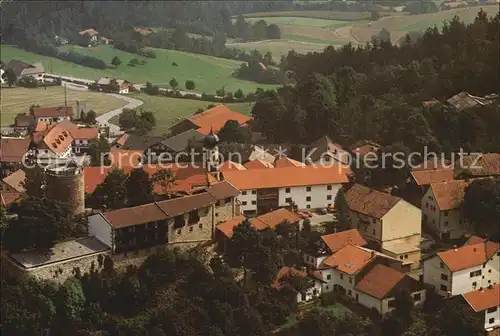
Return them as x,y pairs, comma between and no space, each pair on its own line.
375,92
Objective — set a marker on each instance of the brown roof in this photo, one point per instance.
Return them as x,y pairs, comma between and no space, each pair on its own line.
449,195
185,204
257,164
483,299
90,32
286,271
337,241
124,158
227,227
274,218
474,240
144,31
370,202
215,118
433,164
134,216
15,180
85,133
379,281
24,120
226,165
350,259
61,111
41,126
364,147
287,162
13,149
122,139
468,255
58,139
287,177
8,197
426,177
474,166
223,190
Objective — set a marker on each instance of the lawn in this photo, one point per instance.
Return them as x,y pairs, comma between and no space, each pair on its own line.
329,15
209,73
169,111
19,100
300,21
280,47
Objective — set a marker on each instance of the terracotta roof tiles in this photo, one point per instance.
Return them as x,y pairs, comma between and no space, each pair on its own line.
478,165
468,255
222,190
215,118
350,259
61,111
58,139
450,195
227,165
287,162
379,281
370,202
13,149
185,204
483,299
257,164
227,227
274,218
337,241
134,216
15,180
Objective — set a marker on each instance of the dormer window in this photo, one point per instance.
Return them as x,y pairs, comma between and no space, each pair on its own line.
61,137
54,145
58,141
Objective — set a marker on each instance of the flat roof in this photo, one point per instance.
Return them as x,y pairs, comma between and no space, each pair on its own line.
401,248
60,252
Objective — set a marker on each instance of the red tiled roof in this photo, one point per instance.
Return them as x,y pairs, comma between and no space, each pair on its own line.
274,218
485,165
379,281
13,149
426,177
350,259
474,240
468,255
122,158
227,165
227,227
134,216
122,139
370,202
215,118
483,299
450,195
287,177
337,241
257,164
61,111
58,139
15,180
287,162
85,133
41,126
284,272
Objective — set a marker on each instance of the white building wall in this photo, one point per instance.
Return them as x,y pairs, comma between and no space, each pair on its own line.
320,196
369,301
495,315
432,275
312,261
248,200
99,228
311,293
463,282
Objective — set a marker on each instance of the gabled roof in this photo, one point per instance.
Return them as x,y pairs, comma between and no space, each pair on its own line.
474,240
227,165
257,164
426,177
134,216
182,140
15,180
450,195
483,299
22,68
185,204
227,227
350,259
363,147
215,118
370,202
122,158
287,162
274,218
41,126
337,241
13,149
222,190
58,139
60,111
121,139
480,165
468,255
85,133
90,32
325,145
287,177
379,281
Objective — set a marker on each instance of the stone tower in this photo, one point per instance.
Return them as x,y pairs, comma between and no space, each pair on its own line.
65,183
212,157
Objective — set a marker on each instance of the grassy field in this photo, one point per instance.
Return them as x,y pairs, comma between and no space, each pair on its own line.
329,15
168,110
300,21
19,100
209,73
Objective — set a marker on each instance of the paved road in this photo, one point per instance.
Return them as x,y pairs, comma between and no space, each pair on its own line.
103,119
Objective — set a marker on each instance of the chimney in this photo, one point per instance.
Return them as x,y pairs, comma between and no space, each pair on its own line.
455,247
304,269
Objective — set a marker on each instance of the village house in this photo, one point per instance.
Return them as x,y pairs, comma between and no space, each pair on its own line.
442,208
486,303
325,152
14,182
464,100
22,69
212,119
468,268
363,155
285,273
330,244
52,144
267,189
104,84
12,152
389,223
88,38
191,219
478,165
24,122
430,171
52,114
82,135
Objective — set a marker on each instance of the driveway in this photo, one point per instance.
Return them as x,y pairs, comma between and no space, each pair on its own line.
103,119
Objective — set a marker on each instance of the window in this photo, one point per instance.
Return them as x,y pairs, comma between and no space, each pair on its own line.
446,213
216,214
329,197
308,188
254,192
329,277
349,292
433,221
427,205
441,265
190,229
444,288
491,320
444,277
475,273
227,200
489,271
406,256
391,304
194,217
492,310
401,257
287,190
244,192
308,206
329,187
350,280
244,203
200,226
254,202
341,276
474,284
288,200
373,231
417,297
308,199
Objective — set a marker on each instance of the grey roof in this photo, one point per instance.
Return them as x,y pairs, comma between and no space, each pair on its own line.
22,68
181,141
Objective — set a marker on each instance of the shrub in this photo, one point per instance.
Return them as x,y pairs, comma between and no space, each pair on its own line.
328,299
28,82
133,62
147,53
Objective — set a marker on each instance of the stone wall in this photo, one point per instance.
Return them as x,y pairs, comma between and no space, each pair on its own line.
197,232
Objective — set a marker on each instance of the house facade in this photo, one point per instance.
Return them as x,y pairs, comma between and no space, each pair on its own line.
88,37
54,144
22,69
486,302
390,224
311,293
465,269
267,189
189,219
51,115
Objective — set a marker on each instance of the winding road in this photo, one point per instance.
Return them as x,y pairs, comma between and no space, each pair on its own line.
103,119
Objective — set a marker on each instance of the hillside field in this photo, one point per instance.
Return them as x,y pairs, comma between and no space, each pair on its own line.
169,110
18,100
308,31
209,73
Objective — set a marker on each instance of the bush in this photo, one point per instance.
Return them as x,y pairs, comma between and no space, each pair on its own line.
328,299
28,82
133,62
147,53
